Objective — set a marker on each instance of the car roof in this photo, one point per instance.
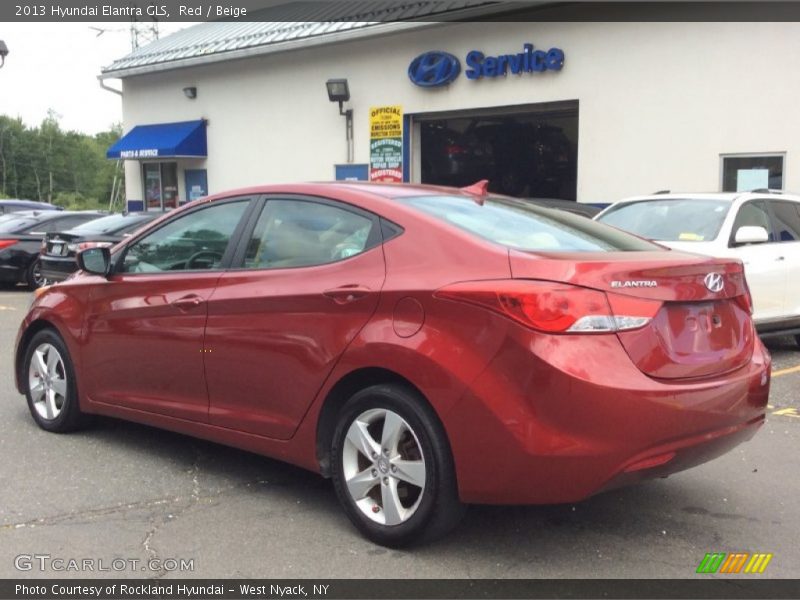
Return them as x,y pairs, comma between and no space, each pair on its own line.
725,196
385,190
31,203
55,214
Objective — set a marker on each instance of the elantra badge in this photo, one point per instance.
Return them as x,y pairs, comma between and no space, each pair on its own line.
635,283
714,282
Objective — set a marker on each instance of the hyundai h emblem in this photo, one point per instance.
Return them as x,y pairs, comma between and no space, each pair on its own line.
435,68
714,282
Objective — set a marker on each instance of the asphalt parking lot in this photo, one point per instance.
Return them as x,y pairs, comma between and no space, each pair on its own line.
126,491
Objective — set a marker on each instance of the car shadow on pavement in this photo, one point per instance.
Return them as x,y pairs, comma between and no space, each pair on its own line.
657,509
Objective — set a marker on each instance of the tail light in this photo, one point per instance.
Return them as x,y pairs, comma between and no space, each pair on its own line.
553,307
455,149
6,243
745,300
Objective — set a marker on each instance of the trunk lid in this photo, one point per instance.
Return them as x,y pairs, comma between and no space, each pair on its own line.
699,306
55,244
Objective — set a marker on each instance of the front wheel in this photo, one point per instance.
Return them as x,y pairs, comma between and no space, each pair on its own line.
392,467
50,384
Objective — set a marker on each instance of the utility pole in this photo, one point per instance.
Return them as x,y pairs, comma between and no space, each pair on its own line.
142,33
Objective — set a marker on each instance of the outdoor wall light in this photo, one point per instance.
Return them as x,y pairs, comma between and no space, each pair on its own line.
339,91
3,53
190,92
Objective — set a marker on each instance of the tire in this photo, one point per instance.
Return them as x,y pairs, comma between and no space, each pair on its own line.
50,386
33,277
511,183
376,491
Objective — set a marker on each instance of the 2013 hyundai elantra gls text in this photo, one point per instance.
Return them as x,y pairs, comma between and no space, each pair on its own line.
424,347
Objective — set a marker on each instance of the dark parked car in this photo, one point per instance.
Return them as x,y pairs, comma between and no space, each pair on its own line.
533,157
577,208
450,158
60,247
423,347
14,206
21,237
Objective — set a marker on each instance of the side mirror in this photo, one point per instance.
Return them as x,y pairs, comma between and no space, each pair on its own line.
751,234
95,260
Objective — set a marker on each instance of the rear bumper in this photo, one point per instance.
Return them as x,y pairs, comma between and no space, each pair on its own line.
58,268
585,420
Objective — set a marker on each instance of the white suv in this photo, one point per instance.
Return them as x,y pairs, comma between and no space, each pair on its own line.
761,228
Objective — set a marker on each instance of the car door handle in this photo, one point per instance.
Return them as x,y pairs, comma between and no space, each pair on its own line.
346,293
187,302
779,258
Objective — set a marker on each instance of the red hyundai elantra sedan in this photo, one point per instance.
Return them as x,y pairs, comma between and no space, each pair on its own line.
424,347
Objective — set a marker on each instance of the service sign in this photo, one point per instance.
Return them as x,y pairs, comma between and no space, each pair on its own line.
386,144
436,68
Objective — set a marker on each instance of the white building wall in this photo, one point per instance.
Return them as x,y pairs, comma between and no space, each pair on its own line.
659,102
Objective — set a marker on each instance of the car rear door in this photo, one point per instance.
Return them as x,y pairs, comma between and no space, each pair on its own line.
309,277
764,264
786,219
144,327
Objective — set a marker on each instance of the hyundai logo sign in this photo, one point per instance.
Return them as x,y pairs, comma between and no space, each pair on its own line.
434,68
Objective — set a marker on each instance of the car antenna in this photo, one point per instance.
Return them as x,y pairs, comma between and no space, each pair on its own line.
479,189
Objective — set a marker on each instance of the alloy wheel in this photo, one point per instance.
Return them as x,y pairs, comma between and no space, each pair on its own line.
47,381
383,466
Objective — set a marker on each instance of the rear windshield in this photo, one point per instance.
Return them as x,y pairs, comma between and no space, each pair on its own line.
109,224
670,219
12,224
525,226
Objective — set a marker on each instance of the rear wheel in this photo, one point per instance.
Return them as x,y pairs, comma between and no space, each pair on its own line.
392,468
34,276
50,384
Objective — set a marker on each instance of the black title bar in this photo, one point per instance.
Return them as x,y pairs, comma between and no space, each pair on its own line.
378,589
385,11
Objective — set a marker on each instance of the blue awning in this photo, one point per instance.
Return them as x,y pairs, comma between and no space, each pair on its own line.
162,140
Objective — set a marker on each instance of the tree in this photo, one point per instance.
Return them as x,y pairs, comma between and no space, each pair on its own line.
49,164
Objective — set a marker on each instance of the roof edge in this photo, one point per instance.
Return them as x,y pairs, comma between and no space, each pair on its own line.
274,48
371,29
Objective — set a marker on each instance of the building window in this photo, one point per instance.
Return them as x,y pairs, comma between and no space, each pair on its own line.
747,172
160,185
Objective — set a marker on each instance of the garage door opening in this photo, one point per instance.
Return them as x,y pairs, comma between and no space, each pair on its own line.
531,152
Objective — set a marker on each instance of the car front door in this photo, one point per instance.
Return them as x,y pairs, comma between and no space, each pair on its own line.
786,217
764,264
144,328
309,279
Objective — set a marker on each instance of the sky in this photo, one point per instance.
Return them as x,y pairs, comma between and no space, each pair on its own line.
55,65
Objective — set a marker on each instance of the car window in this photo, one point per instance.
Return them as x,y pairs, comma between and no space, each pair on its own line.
787,220
135,225
60,224
670,219
525,226
103,224
297,233
192,242
753,214
13,224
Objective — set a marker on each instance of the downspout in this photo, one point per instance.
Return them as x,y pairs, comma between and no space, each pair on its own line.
106,87
114,189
